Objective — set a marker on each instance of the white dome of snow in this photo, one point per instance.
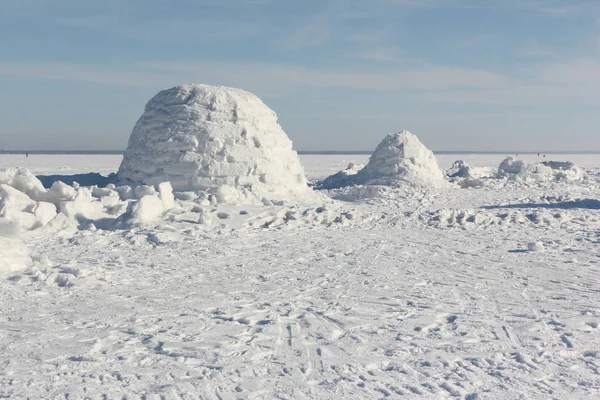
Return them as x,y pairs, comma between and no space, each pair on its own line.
539,172
221,140
400,159
565,170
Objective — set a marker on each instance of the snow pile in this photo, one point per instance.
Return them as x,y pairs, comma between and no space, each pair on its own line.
14,255
565,170
521,171
467,176
535,246
461,170
400,159
220,140
151,206
24,181
16,206
343,178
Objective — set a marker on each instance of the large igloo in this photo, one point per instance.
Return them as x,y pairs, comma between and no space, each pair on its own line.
217,139
400,159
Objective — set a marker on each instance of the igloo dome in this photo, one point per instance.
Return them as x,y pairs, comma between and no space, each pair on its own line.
401,158
216,139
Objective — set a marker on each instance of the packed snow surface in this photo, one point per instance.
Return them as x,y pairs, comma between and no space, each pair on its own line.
400,159
221,140
147,291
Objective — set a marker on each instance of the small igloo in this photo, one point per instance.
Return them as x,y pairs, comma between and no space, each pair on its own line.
216,139
399,159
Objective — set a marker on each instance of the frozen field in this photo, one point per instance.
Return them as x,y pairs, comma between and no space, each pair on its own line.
401,293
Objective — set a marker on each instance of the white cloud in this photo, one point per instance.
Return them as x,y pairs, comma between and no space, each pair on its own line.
274,79
566,83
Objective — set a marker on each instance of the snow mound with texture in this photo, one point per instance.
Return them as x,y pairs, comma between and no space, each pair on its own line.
539,172
220,140
521,171
14,255
565,170
467,176
24,181
400,159
343,178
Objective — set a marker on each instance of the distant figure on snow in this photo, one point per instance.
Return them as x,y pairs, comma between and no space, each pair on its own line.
27,155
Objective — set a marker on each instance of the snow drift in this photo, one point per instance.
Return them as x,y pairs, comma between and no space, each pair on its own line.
221,140
566,170
14,255
539,172
400,159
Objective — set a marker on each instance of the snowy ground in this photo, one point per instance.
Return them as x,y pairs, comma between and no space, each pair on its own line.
422,294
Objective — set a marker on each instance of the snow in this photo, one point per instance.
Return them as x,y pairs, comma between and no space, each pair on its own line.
220,140
400,159
567,170
147,209
22,180
535,246
461,170
539,172
14,255
404,291
519,170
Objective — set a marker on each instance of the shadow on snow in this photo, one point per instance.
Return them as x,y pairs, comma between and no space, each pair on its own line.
89,179
590,204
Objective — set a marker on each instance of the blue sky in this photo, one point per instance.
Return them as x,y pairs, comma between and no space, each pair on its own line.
461,74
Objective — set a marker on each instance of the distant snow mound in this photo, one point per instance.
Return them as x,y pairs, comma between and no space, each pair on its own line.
467,176
343,178
565,170
539,172
220,140
459,169
400,159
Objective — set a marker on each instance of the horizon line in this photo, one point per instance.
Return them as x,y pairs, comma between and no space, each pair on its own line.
304,152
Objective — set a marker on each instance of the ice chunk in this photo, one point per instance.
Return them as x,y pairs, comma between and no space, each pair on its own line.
24,181
165,193
13,200
147,209
14,255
